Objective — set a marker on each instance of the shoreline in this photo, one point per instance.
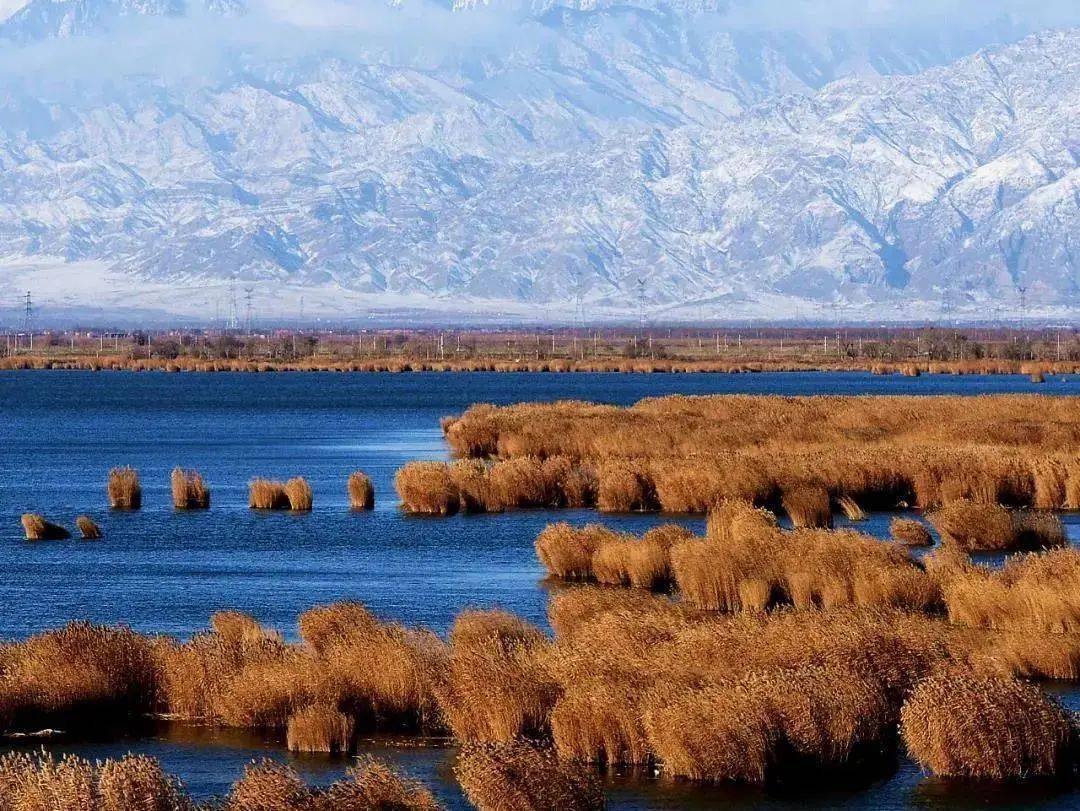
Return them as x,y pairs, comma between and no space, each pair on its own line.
397,365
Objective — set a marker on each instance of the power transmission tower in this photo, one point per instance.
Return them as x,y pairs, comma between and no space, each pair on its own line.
28,319
234,318
1023,305
247,303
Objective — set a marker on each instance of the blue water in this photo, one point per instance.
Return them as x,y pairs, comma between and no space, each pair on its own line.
161,571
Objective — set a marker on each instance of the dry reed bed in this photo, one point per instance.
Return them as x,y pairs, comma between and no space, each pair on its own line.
361,491
398,363
37,528
189,491
125,492
953,720
521,775
685,454
88,528
294,495
630,678
977,527
42,782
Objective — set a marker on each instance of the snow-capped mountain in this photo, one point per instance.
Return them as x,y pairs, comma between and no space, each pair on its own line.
522,158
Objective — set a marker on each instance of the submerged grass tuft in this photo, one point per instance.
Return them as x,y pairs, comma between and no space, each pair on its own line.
125,492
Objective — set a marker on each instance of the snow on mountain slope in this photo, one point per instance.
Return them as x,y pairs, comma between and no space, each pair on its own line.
733,172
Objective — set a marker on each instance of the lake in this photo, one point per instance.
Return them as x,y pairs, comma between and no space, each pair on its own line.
161,571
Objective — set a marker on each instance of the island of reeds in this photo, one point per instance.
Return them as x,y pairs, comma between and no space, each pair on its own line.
751,654
810,457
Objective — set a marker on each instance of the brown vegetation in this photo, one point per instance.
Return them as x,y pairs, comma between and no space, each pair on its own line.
189,492
37,528
370,786
977,527
687,454
962,724
427,488
298,492
630,678
361,492
264,494
807,506
909,532
851,508
520,776
77,673
497,687
319,729
88,528
125,492
473,486
1034,592
41,782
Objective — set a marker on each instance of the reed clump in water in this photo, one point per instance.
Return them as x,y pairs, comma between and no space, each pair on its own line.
125,491
1037,592
959,724
476,486
427,488
88,528
977,527
37,528
298,492
909,532
77,674
319,729
272,786
381,676
41,781
567,551
264,494
851,508
681,454
807,506
521,775
643,563
497,687
189,491
361,491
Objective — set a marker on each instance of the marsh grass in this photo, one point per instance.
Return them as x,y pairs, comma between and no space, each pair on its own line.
361,491
909,532
299,494
427,488
807,505
959,724
264,494
981,527
497,687
77,674
319,729
37,528
88,528
41,782
851,508
368,786
522,776
189,491
687,454
125,492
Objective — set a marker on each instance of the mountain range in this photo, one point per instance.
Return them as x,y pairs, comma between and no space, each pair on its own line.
545,161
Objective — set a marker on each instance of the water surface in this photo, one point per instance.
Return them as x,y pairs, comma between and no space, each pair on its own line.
161,571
